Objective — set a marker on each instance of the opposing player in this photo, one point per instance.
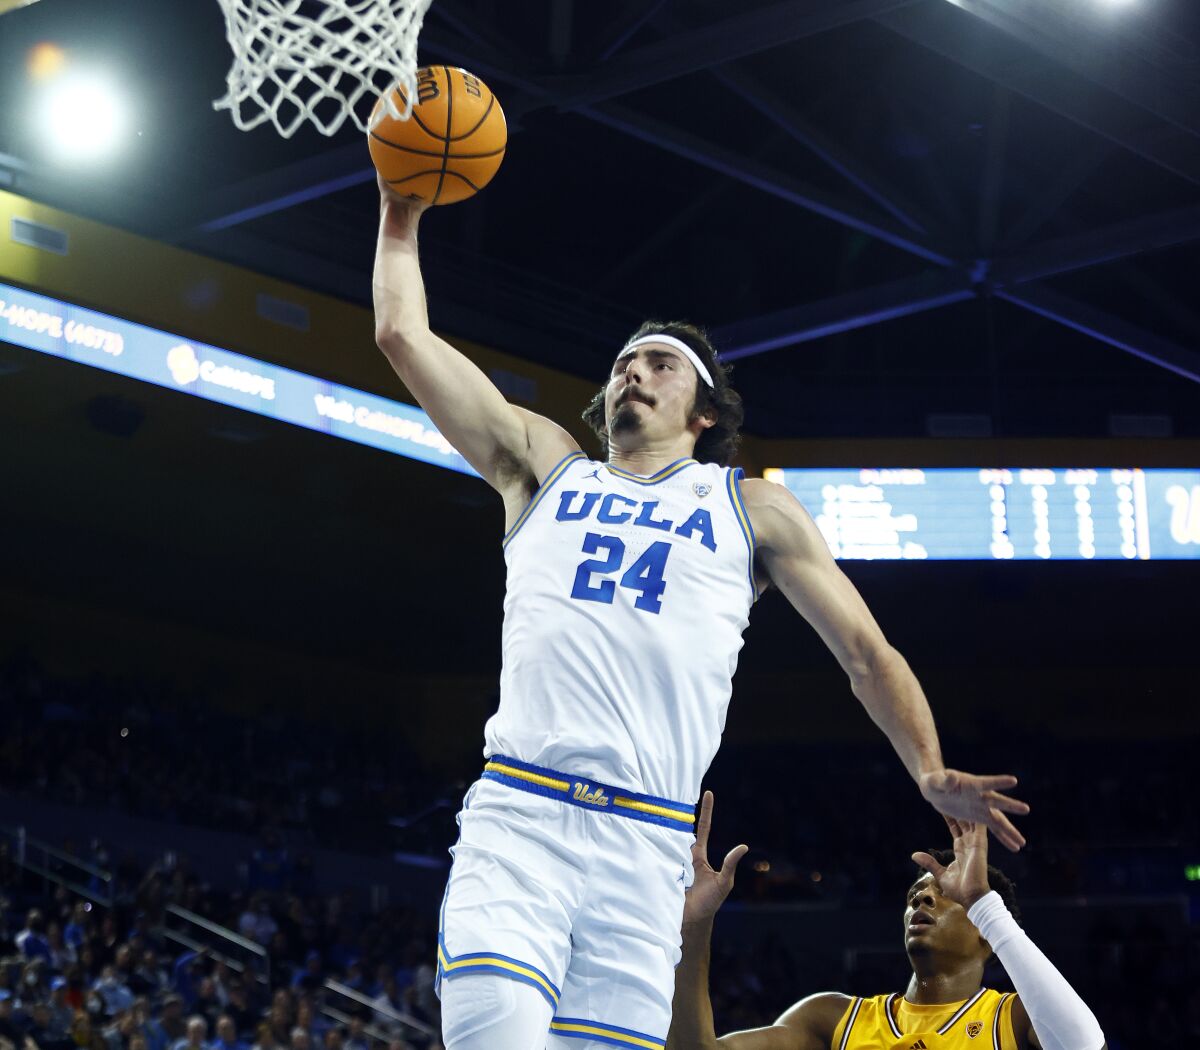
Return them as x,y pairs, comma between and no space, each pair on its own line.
956,916
630,581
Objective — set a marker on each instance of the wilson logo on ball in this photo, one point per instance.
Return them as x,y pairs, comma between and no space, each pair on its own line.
452,144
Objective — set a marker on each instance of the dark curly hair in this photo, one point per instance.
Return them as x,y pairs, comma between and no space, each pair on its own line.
716,444
997,880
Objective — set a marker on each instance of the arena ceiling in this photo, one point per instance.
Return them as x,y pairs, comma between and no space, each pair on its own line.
885,210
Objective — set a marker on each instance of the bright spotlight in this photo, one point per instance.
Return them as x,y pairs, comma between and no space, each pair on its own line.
82,117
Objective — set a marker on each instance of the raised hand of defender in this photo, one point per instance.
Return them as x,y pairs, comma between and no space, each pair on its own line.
966,879
710,887
967,797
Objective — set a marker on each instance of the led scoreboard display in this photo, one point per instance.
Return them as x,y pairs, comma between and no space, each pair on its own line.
1031,513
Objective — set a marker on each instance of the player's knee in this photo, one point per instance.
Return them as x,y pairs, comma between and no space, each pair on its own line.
482,1011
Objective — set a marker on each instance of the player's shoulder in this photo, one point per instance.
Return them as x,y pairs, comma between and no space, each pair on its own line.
816,1016
780,521
761,495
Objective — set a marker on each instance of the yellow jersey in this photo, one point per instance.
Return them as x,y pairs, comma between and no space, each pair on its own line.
890,1022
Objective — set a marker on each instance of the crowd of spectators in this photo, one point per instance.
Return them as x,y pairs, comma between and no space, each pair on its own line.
78,975
108,979
164,751
155,750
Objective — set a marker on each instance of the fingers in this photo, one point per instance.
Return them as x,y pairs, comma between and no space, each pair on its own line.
731,861
704,821
1007,835
1005,803
924,860
998,782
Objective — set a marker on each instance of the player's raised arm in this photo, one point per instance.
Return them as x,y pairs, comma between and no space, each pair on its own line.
1047,1012
806,1026
797,560
504,443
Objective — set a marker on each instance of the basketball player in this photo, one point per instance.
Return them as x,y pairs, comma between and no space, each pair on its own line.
957,915
630,581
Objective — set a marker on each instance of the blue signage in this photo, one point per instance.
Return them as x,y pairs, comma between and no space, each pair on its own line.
62,329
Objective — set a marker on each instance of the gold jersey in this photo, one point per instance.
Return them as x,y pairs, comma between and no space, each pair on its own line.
890,1022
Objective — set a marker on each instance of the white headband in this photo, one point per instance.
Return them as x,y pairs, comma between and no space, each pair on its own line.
678,344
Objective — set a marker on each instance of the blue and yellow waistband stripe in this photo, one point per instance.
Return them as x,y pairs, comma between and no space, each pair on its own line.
493,962
588,794
551,478
578,1028
732,479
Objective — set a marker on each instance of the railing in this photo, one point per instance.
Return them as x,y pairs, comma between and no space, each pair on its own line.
240,954
60,868
374,1031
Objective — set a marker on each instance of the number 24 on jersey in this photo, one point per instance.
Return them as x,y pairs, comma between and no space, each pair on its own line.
644,577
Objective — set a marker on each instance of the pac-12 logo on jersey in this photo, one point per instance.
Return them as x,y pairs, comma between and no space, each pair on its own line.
974,1028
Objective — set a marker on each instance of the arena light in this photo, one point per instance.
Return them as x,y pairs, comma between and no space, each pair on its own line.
82,116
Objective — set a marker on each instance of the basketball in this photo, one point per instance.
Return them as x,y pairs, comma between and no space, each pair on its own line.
452,143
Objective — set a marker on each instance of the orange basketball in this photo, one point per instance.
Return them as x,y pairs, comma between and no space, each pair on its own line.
451,145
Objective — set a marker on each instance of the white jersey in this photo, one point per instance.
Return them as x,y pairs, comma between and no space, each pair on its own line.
626,602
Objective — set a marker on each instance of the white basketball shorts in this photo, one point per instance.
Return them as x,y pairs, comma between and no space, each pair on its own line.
575,888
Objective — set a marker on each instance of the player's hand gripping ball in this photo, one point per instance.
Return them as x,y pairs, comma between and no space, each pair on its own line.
450,146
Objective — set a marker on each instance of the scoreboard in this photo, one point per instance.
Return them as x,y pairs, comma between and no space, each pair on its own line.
1124,513
870,513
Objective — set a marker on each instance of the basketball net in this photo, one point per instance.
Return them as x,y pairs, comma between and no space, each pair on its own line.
320,61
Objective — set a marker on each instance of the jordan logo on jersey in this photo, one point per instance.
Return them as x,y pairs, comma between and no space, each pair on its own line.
593,796
974,1028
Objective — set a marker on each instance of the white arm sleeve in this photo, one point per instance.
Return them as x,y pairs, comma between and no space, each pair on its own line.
1060,1018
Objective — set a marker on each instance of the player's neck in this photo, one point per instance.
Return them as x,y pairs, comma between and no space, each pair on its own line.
645,460
943,986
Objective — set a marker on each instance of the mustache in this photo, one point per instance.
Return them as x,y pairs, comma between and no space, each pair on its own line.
633,394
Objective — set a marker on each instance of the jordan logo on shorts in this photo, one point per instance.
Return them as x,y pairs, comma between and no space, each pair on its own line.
586,793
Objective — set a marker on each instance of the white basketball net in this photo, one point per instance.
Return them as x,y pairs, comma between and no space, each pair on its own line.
320,61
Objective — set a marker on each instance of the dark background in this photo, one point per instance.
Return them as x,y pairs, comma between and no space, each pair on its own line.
271,613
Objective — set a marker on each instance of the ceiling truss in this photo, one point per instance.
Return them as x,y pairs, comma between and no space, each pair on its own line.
1135,102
